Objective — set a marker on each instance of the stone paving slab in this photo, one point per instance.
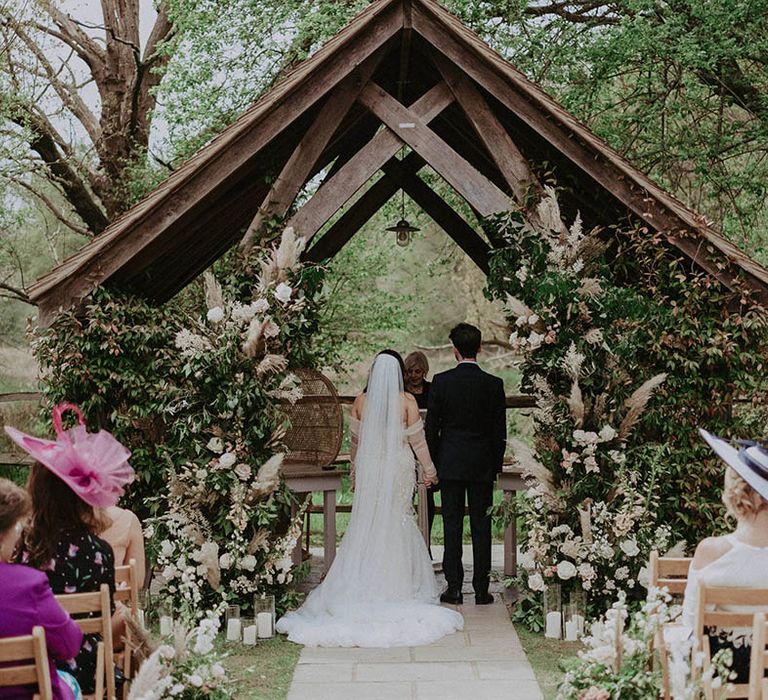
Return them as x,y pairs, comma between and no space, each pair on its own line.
485,662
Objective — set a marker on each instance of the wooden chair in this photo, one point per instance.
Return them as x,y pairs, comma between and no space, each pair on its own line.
720,598
29,658
758,662
127,593
670,573
98,606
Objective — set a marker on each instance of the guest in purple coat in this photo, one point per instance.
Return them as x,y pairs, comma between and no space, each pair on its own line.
27,600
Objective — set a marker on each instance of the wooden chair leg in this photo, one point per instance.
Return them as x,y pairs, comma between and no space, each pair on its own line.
100,671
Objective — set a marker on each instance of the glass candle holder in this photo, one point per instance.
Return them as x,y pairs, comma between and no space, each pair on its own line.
575,614
264,610
165,618
553,614
232,623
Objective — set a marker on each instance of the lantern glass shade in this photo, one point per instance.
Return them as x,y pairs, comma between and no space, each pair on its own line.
403,231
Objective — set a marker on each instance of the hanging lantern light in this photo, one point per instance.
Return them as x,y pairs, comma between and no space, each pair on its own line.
403,231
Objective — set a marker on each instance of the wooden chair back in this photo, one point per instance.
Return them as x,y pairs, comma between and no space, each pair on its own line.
27,657
758,662
127,593
669,572
127,585
97,606
719,598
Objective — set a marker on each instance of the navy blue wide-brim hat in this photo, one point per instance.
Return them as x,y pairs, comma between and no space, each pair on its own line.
749,460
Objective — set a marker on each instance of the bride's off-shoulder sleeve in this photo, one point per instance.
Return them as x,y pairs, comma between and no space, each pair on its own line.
418,442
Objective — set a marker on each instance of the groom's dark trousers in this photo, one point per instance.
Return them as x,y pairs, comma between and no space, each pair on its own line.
466,432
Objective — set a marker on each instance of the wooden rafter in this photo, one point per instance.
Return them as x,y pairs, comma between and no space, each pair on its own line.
481,193
334,193
440,212
298,168
508,158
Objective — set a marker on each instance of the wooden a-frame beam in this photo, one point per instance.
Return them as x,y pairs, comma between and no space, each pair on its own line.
334,193
298,168
441,213
481,193
504,152
396,174
360,212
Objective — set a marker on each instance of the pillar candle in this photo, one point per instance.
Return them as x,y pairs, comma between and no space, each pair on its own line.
233,630
140,617
249,635
264,622
166,625
553,628
579,620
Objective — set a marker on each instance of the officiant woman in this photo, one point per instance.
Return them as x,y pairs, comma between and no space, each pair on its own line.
415,381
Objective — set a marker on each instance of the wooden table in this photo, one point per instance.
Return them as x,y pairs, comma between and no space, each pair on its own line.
510,482
302,479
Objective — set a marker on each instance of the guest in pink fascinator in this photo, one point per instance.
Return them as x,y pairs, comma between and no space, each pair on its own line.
73,479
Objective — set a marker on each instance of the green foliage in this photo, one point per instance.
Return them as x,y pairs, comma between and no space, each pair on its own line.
115,359
626,359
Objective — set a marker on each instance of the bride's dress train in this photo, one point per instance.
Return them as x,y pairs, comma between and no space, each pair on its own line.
381,590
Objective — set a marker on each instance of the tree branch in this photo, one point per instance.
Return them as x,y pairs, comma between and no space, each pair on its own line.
12,292
51,206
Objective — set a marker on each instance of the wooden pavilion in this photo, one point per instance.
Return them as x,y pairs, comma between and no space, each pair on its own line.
403,73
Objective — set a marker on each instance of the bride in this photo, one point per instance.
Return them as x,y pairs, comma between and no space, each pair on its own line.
381,589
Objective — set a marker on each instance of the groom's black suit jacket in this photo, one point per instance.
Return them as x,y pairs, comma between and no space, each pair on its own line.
466,424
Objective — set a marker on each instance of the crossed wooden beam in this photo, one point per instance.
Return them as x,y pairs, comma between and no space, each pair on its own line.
403,125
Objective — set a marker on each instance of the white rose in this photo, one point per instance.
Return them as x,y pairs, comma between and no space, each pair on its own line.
566,570
536,582
283,293
260,306
166,548
227,459
215,315
216,445
607,433
176,689
630,548
248,562
533,319
195,680
226,560
243,471
535,340
281,577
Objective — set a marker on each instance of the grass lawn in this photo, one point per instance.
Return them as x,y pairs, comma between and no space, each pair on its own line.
262,672
545,656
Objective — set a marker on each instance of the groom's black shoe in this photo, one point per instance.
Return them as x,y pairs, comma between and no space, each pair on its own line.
483,598
452,596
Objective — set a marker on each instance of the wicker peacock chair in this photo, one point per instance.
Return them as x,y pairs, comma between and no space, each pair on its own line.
316,423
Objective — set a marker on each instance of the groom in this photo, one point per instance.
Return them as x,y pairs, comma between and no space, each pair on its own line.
466,432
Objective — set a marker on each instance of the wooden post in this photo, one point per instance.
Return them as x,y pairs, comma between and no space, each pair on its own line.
510,539
329,528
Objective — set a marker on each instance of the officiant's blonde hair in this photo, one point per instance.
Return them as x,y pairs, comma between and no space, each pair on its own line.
417,359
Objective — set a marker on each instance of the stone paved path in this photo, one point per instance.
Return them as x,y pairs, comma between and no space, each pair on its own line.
485,661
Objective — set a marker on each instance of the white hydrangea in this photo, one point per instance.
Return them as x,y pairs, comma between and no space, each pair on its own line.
215,314
248,562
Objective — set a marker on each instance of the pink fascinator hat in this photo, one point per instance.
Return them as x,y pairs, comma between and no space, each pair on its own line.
94,465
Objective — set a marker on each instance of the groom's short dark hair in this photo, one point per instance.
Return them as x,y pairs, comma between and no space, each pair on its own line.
466,339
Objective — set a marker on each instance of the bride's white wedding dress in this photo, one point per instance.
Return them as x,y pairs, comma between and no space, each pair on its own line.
381,590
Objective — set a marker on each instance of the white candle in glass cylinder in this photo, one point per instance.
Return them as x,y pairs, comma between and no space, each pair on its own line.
233,630
264,622
166,625
579,621
140,617
571,633
553,628
249,635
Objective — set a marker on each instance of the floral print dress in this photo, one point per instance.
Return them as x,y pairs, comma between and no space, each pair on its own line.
80,564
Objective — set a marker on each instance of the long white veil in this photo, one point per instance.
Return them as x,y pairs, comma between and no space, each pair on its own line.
381,590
